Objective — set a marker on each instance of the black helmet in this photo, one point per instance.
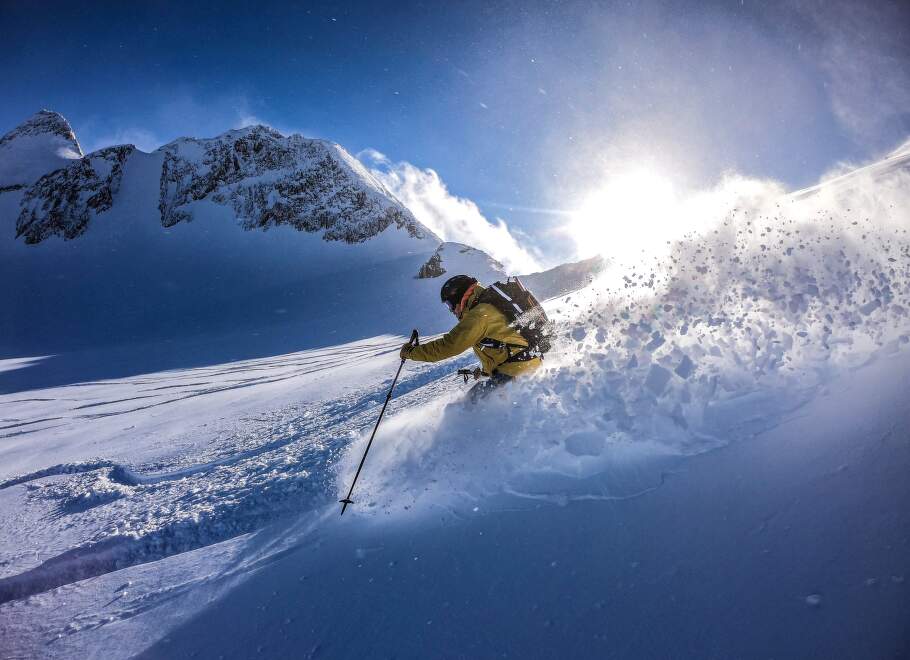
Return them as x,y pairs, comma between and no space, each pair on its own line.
453,290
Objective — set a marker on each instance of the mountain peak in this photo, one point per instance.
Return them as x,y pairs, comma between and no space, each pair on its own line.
250,131
43,143
45,122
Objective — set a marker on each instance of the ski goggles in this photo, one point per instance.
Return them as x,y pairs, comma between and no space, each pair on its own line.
450,305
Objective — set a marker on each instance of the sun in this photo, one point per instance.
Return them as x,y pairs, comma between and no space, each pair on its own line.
629,216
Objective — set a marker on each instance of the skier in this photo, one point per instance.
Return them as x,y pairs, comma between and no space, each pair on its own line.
502,350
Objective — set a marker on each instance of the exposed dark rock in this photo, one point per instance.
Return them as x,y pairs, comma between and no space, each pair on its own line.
62,203
271,180
432,268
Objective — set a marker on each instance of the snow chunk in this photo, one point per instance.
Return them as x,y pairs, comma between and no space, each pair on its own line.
685,368
870,307
656,342
657,379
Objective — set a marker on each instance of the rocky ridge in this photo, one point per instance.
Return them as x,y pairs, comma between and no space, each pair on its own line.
63,202
266,178
269,180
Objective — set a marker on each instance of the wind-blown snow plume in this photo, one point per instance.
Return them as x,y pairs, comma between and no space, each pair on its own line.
452,218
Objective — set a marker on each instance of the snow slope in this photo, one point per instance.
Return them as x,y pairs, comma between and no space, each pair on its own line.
793,545
233,546
712,464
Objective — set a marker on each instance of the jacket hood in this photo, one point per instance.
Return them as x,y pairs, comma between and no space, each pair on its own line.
472,299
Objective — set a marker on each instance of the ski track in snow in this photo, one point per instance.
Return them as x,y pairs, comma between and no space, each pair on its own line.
258,469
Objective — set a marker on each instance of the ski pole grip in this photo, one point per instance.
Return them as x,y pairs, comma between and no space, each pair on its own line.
414,339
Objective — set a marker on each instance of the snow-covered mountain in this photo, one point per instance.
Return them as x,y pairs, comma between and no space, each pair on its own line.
43,143
564,278
246,232
454,258
266,179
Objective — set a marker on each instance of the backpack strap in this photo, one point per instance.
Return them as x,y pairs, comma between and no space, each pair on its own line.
489,342
521,353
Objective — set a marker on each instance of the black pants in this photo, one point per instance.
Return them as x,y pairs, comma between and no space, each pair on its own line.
482,389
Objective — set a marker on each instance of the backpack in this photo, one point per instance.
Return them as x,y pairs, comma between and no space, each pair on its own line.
524,313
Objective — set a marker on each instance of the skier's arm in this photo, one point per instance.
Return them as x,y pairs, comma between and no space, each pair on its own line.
470,330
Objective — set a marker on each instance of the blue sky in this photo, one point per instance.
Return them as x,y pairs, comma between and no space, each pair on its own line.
517,106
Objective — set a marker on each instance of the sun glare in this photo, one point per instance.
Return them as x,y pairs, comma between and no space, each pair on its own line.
631,215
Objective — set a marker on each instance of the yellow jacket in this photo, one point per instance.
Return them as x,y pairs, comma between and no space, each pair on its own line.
478,322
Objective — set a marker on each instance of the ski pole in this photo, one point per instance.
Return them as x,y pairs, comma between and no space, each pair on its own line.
414,341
